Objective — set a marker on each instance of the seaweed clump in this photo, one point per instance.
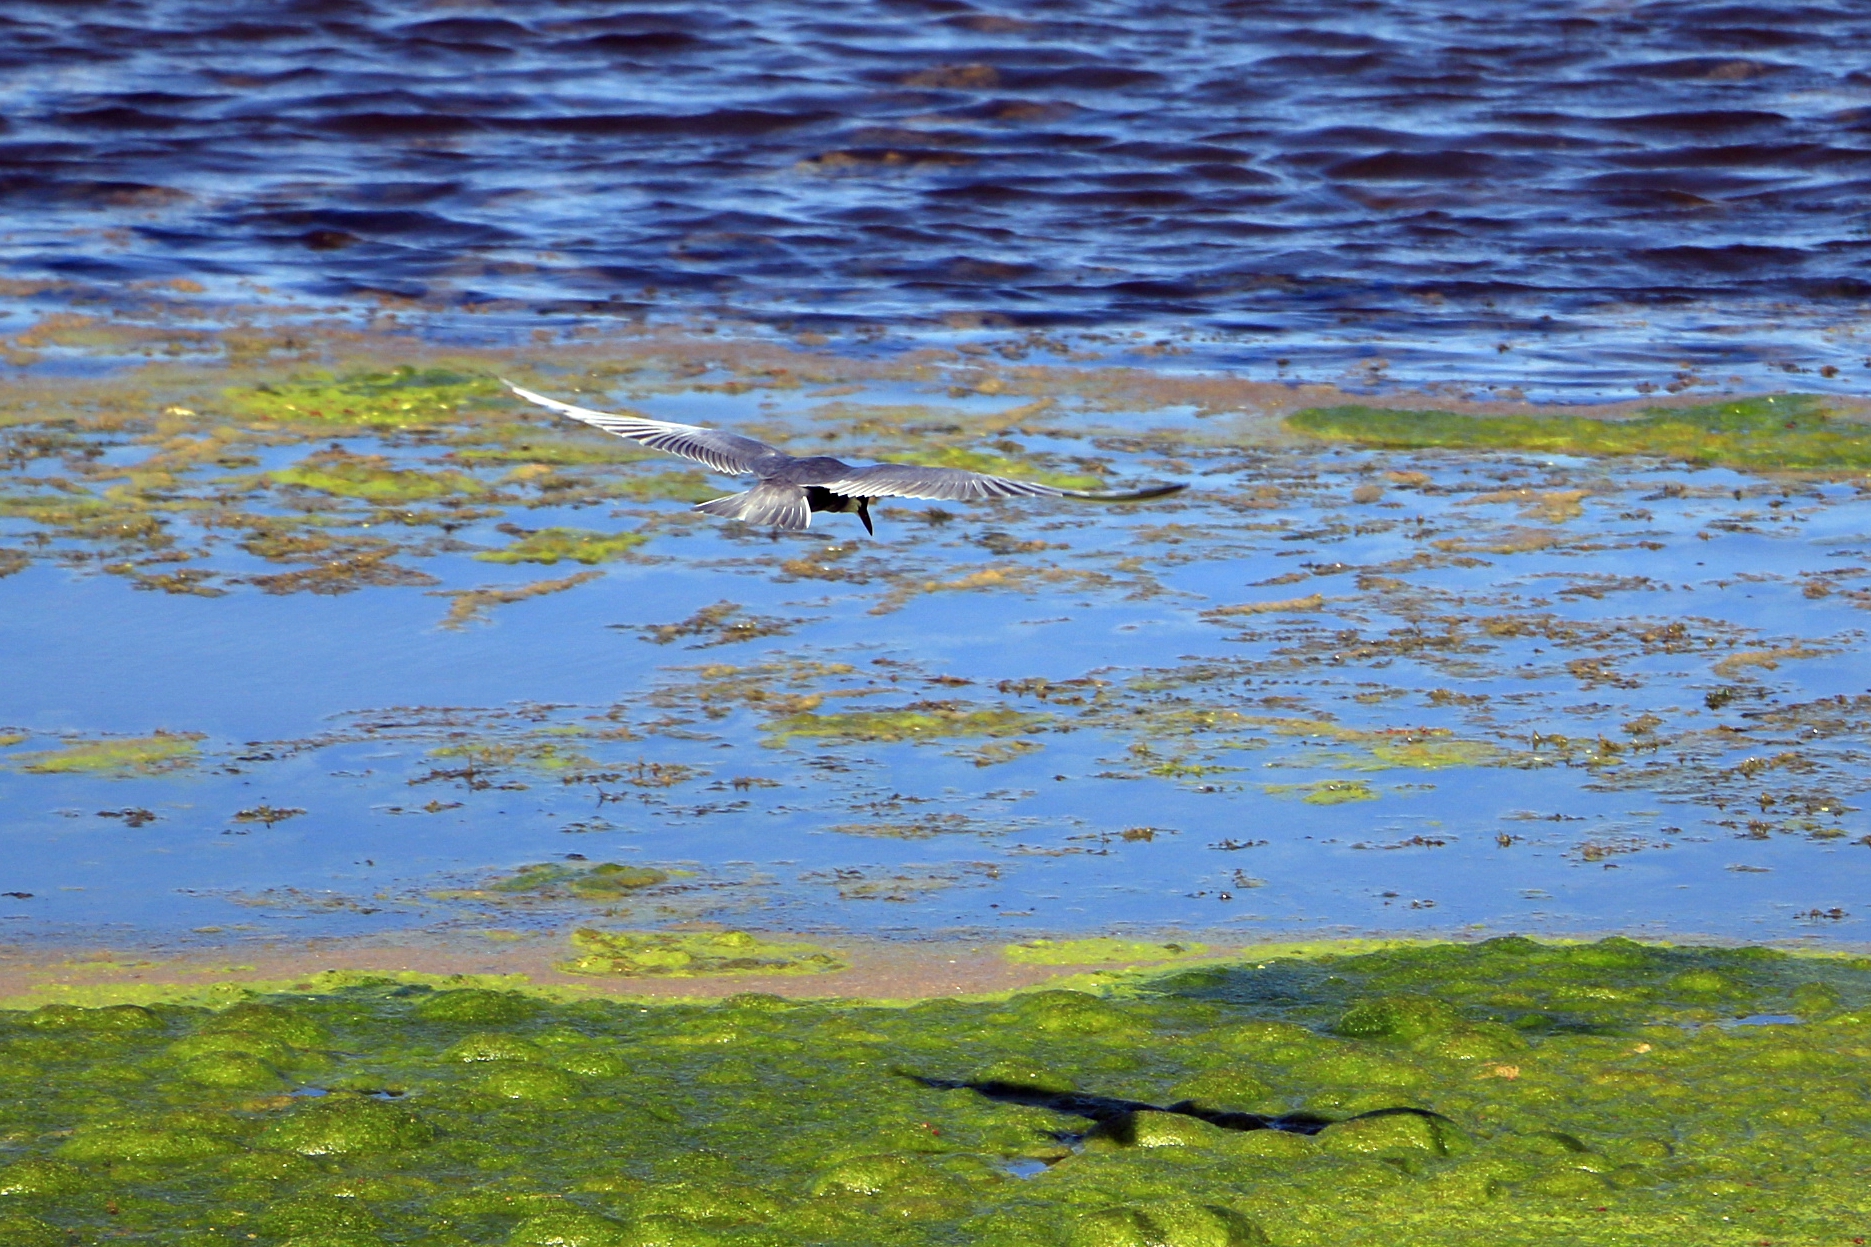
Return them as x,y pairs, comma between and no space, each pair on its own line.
927,720
601,882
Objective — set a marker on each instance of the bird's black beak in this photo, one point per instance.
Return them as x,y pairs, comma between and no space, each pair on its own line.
864,513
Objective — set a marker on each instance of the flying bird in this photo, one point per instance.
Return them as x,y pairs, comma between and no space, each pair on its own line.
790,488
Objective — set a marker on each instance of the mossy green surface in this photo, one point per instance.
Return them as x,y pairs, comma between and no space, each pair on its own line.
399,398
1792,431
1496,1094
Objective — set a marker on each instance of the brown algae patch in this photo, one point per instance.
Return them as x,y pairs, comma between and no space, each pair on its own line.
1788,431
473,605
330,577
1311,602
689,954
724,623
122,756
928,720
1506,1093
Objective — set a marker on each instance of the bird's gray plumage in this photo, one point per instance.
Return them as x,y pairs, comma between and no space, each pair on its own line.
791,488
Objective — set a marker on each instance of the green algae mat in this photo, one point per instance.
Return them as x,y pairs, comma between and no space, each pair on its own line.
1786,431
1499,1093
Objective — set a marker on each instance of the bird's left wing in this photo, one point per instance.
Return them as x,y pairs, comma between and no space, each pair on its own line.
907,480
729,453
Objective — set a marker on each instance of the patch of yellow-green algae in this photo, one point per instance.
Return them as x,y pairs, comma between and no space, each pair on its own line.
371,478
536,753
580,545
401,397
1787,431
689,954
114,756
1498,1094
1325,792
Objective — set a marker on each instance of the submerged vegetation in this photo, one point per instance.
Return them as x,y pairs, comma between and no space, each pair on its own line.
1493,1095
1777,432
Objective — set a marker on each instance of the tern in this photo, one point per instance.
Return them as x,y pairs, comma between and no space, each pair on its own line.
791,488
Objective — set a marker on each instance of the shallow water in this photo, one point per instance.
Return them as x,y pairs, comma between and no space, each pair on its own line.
1550,199
1495,692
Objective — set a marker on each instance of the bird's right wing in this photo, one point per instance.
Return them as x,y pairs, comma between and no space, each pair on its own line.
728,453
907,480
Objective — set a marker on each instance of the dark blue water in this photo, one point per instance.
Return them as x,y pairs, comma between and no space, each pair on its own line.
1570,198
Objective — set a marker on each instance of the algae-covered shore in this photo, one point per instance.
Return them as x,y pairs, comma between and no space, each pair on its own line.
1506,1092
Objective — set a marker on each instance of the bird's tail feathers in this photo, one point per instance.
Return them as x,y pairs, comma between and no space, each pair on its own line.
768,503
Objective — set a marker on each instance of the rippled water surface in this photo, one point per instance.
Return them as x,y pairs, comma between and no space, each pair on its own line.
1551,198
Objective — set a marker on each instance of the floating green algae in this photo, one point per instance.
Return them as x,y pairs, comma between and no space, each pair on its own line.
581,545
602,881
477,757
118,756
1325,792
1782,431
371,478
1096,949
400,398
690,954
1500,1094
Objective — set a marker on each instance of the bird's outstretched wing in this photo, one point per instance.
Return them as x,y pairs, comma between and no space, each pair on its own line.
906,480
724,452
